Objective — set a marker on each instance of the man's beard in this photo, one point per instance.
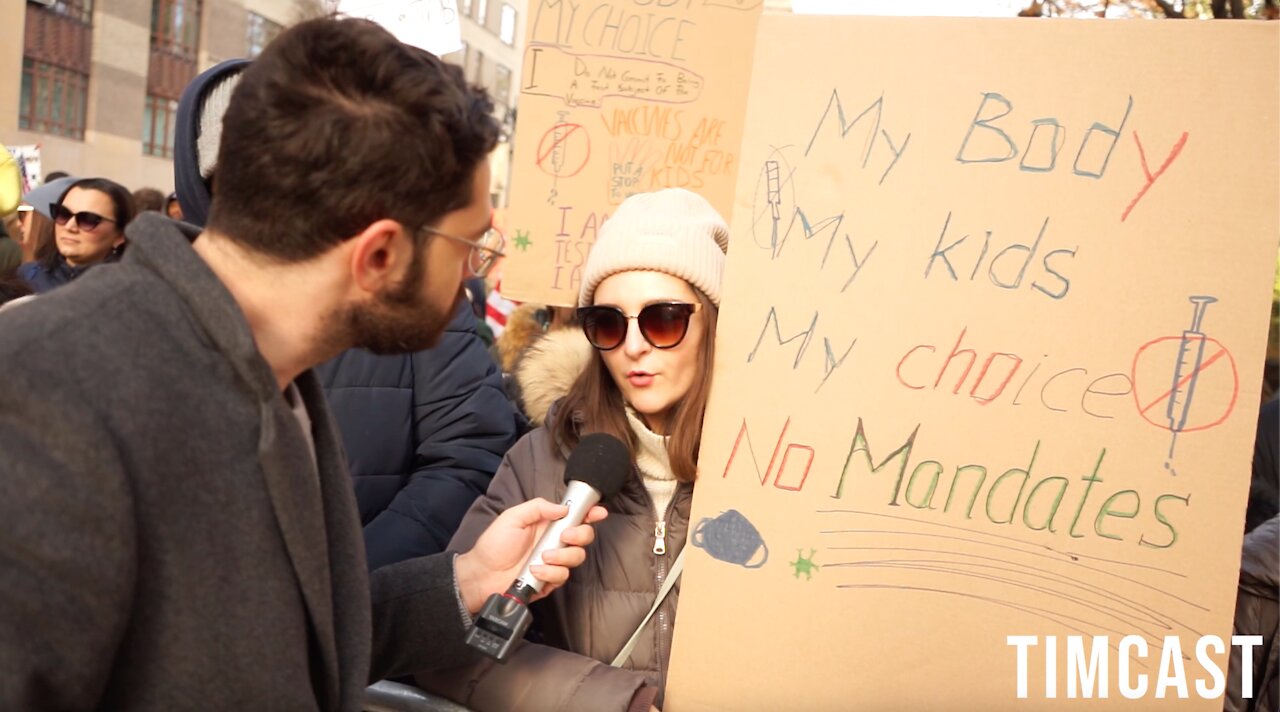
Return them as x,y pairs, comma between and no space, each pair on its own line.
398,320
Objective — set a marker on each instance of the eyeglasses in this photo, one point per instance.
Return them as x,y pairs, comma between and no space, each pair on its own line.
85,220
484,252
663,324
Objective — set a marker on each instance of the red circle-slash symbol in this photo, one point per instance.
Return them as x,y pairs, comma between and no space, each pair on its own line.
564,150
1216,382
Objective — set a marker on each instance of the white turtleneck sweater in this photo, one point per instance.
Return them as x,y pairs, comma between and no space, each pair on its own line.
655,472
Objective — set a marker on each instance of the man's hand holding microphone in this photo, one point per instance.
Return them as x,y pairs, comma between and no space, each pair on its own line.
503,550
597,468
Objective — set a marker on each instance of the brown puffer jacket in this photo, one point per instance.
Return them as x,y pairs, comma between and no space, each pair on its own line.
1258,613
583,625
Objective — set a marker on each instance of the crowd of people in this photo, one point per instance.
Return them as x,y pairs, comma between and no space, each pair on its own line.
282,460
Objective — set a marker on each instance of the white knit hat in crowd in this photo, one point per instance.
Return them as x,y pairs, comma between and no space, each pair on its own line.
672,230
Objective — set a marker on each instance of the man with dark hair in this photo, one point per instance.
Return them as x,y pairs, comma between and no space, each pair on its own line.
179,530
145,199
423,431
408,144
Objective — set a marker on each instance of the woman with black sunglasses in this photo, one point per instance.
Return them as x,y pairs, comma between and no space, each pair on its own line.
89,230
648,304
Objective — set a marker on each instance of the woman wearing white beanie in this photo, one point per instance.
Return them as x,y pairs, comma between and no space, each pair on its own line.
648,305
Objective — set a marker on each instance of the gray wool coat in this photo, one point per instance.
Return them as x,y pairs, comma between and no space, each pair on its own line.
165,542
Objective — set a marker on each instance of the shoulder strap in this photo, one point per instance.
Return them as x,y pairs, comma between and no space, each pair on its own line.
672,576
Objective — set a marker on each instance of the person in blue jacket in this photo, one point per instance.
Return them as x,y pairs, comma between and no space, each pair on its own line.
423,432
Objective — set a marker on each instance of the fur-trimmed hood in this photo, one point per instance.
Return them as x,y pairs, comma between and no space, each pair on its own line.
525,326
548,368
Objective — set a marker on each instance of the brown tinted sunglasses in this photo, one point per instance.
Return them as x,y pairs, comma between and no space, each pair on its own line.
663,324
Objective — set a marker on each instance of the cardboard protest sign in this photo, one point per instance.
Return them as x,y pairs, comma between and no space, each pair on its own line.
28,159
429,24
619,98
988,365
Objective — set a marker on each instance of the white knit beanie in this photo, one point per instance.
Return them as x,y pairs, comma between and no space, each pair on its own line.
672,230
212,106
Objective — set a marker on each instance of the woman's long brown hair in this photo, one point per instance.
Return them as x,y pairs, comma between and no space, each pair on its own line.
595,405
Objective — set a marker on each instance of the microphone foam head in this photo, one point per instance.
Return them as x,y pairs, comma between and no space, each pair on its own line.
600,460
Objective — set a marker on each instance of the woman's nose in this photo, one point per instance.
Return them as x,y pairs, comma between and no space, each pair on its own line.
635,345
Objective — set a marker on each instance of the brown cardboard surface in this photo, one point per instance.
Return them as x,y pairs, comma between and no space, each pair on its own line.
619,98
963,290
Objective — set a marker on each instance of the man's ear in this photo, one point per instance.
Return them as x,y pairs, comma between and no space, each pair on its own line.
380,256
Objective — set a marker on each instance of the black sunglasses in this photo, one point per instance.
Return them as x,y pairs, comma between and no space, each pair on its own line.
85,219
663,324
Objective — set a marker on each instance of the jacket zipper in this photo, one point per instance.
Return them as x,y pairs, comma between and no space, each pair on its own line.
660,532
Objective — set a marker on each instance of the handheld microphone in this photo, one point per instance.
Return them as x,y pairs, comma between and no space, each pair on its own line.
596,470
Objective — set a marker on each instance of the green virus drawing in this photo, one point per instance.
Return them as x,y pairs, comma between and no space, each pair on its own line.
522,240
804,565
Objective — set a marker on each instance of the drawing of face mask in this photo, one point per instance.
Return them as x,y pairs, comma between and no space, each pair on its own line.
731,538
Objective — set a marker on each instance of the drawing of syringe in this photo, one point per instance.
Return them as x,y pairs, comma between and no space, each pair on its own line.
557,152
774,196
1187,372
